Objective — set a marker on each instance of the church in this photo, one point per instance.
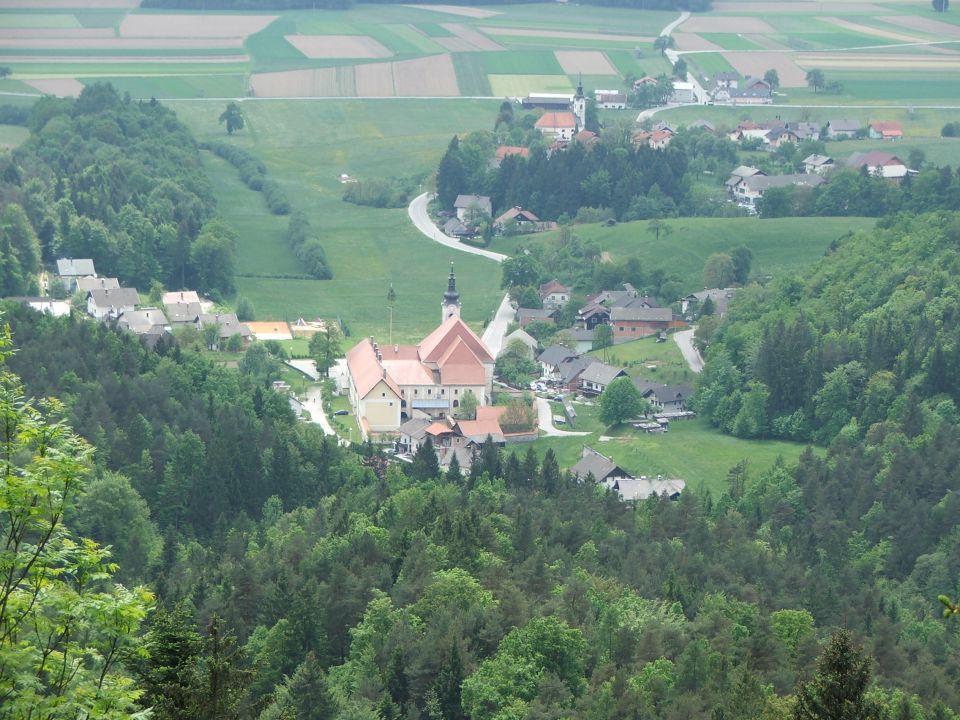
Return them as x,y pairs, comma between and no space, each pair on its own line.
391,384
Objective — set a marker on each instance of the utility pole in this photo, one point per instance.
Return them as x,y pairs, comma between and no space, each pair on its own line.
390,308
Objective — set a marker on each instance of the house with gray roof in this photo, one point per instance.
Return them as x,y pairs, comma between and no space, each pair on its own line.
595,378
530,315
411,435
228,325
73,268
751,190
181,314
664,398
86,284
639,489
570,371
720,297
583,338
817,164
464,204
144,322
603,469
522,337
111,303
843,128
553,358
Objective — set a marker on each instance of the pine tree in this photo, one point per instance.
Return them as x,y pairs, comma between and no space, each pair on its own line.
838,691
425,465
451,177
447,685
550,472
454,474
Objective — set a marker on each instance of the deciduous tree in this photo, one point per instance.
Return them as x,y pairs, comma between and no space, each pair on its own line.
232,117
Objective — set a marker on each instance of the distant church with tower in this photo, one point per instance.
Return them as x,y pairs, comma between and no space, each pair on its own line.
390,384
560,125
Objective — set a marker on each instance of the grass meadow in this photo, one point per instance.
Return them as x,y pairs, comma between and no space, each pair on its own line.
646,358
522,62
778,245
12,135
730,41
521,85
306,145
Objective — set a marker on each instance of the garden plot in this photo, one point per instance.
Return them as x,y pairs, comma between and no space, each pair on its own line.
564,34
432,76
587,62
196,26
691,41
318,47
934,27
757,63
458,10
61,87
868,30
475,38
713,24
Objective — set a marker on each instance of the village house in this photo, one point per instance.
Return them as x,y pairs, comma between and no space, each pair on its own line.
582,338
148,321
702,124
526,340
610,99
631,490
759,131
70,269
727,79
749,192
387,383
593,314
885,130
227,326
596,377
572,369
522,220
843,128
817,164
553,359
630,323
683,92
600,467
879,163
780,136
553,294
526,316
738,175
557,125
467,206
505,151
665,399
547,101
806,130
180,296
182,314
454,227
754,91
86,284
720,297
111,303
47,305
644,81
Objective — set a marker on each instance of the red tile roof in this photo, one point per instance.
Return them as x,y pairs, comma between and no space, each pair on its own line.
556,120
505,150
435,345
367,370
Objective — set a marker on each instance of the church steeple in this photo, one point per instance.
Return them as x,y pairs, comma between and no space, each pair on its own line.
580,106
451,298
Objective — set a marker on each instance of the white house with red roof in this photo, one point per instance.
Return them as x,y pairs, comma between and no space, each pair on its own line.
885,130
558,125
388,383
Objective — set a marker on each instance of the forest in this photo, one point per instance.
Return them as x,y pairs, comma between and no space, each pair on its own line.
297,579
624,181
117,181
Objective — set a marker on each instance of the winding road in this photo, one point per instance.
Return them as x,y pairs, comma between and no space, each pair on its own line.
684,339
545,418
421,218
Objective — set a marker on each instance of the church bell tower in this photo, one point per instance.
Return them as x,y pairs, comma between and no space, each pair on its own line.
450,306
580,107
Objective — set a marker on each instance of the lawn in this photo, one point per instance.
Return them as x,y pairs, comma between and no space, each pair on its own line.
778,245
305,146
692,450
522,85
646,358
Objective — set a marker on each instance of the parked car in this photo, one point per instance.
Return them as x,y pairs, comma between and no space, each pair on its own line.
342,412
558,398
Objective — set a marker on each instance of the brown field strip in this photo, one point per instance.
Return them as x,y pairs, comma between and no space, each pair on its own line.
692,41
714,24
934,27
75,33
426,77
757,63
127,43
475,38
563,34
458,10
126,59
375,80
867,30
588,62
794,7
61,87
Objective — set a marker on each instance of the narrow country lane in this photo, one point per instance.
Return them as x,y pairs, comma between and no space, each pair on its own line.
421,219
545,416
684,339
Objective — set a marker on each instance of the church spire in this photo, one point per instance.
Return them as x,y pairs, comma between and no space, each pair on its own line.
451,298
580,106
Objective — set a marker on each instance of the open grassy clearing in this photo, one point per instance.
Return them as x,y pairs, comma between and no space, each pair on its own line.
409,35
639,356
12,135
367,248
38,20
672,454
522,62
522,85
582,18
566,43
890,86
778,245
604,82
709,64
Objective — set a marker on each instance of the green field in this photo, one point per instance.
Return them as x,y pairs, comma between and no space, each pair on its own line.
521,85
692,450
367,248
38,20
176,86
709,64
471,75
640,356
782,244
730,41
522,62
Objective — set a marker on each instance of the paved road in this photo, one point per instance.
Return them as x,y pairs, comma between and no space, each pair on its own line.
313,403
545,416
496,329
418,214
684,339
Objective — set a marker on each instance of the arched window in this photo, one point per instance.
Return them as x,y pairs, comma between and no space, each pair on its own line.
456,403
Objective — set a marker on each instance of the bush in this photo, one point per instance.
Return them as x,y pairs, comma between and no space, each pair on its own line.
306,246
253,174
389,193
951,129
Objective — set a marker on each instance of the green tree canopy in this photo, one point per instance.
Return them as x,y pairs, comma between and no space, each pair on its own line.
621,401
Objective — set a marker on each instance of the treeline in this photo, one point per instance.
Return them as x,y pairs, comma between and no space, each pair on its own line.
867,337
306,246
113,180
852,193
392,192
627,182
253,173
695,5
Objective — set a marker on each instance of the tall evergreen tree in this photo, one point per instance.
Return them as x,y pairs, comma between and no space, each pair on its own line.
426,465
838,690
451,177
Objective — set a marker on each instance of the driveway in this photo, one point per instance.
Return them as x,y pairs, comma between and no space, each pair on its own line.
545,416
418,214
313,403
496,329
684,339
